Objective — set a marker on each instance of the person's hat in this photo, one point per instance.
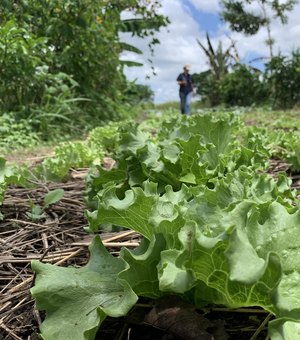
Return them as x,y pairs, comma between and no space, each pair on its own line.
187,67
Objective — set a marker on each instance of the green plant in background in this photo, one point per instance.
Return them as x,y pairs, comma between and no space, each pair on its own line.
104,138
207,88
15,134
81,154
139,94
77,40
243,87
66,156
21,53
59,111
219,60
286,146
280,144
283,78
29,87
4,173
9,174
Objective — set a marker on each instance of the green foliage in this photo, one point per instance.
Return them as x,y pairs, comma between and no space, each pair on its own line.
15,134
242,87
138,93
82,154
21,53
216,230
219,60
53,197
227,81
284,145
37,212
208,82
59,111
60,60
208,87
283,78
104,137
12,175
165,158
242,18
68,155
28,85
94,291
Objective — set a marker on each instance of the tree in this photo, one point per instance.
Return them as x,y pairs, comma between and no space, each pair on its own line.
282,75
139,93
242,18
219,61
242,87
81,40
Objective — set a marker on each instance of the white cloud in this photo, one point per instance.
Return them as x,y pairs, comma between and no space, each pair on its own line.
179,46
210,6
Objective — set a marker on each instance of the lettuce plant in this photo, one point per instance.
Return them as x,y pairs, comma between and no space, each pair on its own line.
216,230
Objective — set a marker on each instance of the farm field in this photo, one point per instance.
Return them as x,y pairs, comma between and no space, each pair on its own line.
178,227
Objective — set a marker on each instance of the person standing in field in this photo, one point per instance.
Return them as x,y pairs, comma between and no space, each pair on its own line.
186,90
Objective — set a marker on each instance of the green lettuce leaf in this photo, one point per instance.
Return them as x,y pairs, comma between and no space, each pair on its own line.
284,329
141,272
205,257
77,300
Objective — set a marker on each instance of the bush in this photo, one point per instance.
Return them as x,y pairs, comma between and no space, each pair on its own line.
79,39
242,87
207,87
282,76
16,134
21,55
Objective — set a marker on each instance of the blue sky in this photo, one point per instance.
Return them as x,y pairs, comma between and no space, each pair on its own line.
207,21
190,19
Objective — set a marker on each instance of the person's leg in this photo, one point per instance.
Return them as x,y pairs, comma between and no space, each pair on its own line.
182,102
188,100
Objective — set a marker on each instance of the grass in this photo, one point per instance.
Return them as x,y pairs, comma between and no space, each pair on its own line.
175,105
29,156
263,117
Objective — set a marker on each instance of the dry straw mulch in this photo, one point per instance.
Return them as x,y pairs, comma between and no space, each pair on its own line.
59,238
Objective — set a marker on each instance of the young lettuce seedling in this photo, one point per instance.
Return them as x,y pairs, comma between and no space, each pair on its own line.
38,212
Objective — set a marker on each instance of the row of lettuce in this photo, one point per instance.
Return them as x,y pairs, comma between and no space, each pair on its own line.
217,228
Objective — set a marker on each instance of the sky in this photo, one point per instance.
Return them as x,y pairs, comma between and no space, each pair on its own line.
190,20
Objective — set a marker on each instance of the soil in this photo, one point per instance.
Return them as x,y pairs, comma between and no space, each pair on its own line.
29,156
59,238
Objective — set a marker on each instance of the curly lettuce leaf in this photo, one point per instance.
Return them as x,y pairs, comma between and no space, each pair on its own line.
77,300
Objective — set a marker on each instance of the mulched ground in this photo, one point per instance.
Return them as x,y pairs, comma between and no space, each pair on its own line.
60,239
